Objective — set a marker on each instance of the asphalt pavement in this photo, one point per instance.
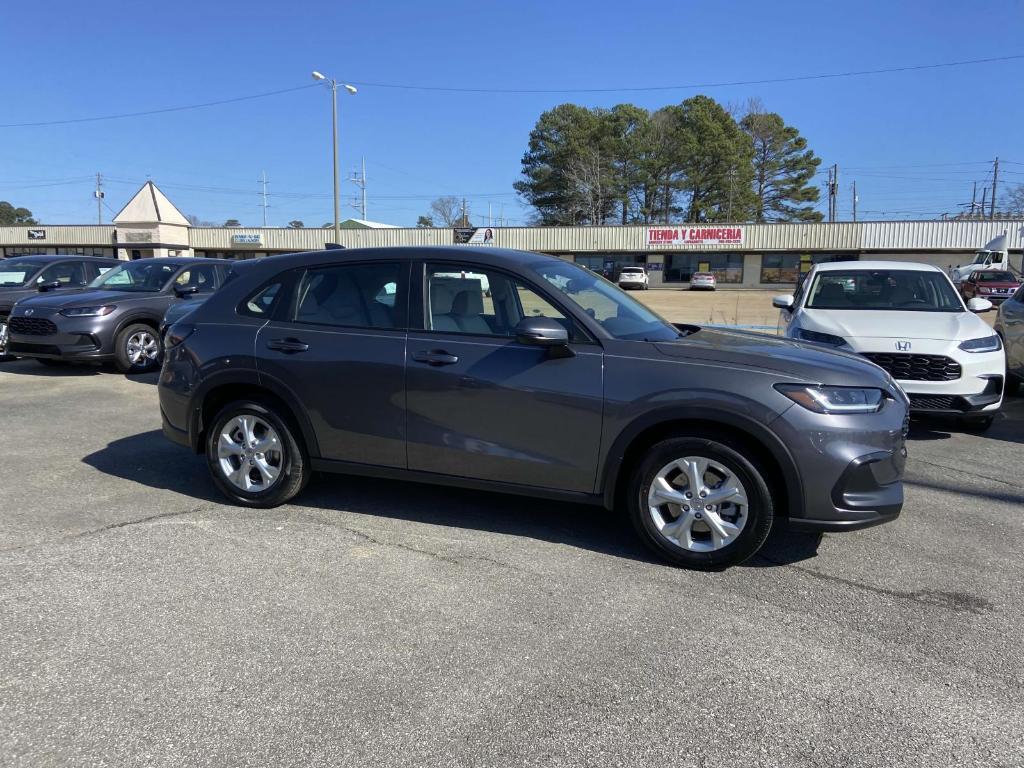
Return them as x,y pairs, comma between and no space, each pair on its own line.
145,623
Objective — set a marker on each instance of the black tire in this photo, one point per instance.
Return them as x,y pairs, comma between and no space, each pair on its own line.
977,425
295,471
121,358
4,357
1012,387
760,507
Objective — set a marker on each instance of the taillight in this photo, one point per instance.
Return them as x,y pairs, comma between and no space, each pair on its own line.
177,333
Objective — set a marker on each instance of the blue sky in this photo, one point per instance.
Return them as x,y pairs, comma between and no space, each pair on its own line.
913,141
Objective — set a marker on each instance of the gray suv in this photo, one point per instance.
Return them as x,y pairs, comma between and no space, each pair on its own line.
116,318
523,373
23,276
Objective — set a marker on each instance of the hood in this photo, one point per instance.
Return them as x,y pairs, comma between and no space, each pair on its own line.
86,297
893,324
10,295
798,361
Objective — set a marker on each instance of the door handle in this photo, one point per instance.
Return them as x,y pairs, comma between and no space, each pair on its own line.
287,345
435,357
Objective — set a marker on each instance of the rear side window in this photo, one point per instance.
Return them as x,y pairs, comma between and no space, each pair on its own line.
264,301
350,296
203,277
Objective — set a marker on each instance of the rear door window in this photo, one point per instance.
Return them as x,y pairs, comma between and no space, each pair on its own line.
351,296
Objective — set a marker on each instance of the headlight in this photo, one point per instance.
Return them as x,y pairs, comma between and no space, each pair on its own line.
106,309
986,344
834,399
821,338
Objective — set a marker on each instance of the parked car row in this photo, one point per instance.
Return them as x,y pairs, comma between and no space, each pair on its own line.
511,371
909,320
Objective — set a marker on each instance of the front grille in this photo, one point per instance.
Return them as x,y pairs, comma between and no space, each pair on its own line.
906,367
935,402
32,326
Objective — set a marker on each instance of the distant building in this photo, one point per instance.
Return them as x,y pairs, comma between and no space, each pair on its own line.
740,255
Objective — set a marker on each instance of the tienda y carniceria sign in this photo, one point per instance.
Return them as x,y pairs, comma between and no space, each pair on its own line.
694,235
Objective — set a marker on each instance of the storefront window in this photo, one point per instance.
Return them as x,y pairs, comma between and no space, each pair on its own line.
610,264
726,267
787,267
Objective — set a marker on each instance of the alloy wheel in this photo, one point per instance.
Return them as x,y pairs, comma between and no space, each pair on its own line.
3,337
142,348
698,504
249,453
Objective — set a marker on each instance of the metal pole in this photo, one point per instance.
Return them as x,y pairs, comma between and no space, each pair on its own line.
995,178
855,201
363,185
334,115
99,199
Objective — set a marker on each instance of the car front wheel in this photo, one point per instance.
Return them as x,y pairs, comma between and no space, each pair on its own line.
700,503
3,341
137,349
254,456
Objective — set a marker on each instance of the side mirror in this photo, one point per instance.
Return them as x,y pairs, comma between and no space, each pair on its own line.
782,302
181,291
979,305
44,287
542,332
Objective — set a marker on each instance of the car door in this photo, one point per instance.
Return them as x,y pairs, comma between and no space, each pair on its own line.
1013,321
482,405
338,350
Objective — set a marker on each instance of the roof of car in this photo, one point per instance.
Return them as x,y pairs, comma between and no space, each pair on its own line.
849,266
483,254
40,258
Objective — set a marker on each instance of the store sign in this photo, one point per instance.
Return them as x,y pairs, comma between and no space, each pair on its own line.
474,236
37,234
138,237
256,239
694,236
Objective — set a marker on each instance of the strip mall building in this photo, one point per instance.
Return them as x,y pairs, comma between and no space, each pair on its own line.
740,255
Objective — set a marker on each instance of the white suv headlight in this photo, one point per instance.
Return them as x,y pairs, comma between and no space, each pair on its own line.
986,344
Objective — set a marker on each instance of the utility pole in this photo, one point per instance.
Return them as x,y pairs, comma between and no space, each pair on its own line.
264,205
995,179
974,197
981,208
332,84
99,198
465,217
732,182
833,191
854,200
360,181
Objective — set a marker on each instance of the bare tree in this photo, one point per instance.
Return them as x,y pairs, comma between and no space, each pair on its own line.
587,178
448,209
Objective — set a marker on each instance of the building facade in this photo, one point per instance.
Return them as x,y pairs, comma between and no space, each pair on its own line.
740,255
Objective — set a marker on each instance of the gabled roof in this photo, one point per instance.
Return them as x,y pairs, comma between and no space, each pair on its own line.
364,224
150,206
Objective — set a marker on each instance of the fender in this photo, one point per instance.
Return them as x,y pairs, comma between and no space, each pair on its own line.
754,428
248,376
135,317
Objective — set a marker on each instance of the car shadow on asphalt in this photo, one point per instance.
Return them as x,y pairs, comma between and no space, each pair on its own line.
1008,426
34,368
150,460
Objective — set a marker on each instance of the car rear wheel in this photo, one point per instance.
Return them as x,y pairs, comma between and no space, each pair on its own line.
254,456
3,341
137,349
700,503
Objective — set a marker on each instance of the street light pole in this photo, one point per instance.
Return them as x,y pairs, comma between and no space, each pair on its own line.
333,85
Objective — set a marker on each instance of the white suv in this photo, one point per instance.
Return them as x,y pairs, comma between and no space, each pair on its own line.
910,320
633,277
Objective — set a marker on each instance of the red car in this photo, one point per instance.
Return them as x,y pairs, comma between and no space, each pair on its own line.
992,284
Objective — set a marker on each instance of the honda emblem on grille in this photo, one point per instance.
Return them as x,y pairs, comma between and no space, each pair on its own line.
29,312
903,346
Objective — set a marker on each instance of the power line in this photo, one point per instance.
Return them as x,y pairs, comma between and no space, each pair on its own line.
765,81
162,111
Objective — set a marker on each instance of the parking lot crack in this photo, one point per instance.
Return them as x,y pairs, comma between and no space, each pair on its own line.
963,471
957,602
106,528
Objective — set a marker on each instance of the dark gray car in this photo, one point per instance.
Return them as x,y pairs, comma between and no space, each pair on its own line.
1009,325
522,373
24,276
116,318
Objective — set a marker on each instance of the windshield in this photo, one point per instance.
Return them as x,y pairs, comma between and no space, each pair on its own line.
621,316
14,274
896,289
149,276
995,277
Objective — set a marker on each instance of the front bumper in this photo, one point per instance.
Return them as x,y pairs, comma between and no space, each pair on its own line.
54,336
851,466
